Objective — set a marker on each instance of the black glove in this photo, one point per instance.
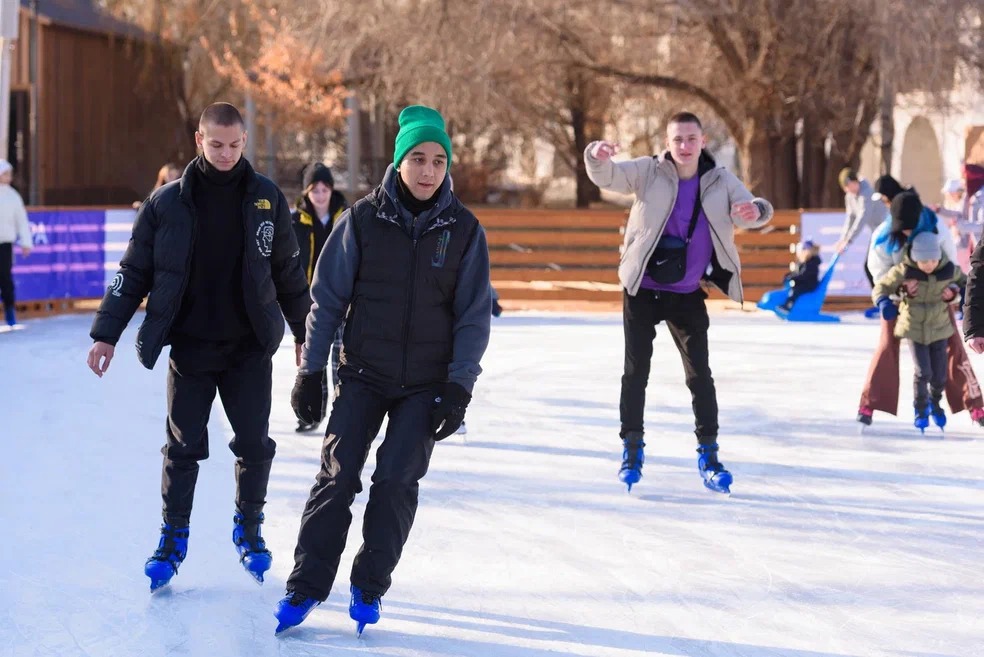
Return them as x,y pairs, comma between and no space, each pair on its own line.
450,402
496,308
308,398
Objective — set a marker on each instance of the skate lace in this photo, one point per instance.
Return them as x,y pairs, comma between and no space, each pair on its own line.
169,546
631,456
297,598
251,535
709,459
370,598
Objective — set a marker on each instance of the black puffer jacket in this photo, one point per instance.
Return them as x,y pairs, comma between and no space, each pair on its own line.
156,263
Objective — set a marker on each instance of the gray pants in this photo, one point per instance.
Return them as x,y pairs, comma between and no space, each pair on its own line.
929,380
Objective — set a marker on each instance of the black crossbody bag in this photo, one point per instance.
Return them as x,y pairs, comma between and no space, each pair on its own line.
668,263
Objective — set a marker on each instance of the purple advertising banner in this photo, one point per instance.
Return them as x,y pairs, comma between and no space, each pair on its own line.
68,256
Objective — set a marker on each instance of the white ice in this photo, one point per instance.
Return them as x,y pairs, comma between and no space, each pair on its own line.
833,544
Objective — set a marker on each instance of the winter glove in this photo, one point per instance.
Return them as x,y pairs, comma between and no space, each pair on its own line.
307,398
889,311
496,308
450,402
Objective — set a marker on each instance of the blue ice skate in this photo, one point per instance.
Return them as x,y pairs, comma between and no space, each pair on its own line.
938,414
632,459
716,478
364,608
170,553
921,420
293,609
253,555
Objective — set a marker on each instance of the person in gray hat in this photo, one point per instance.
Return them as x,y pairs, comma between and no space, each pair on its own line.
928,283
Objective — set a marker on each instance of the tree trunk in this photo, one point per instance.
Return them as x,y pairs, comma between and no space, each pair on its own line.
587,192
583,124
814,166
769,164
786,188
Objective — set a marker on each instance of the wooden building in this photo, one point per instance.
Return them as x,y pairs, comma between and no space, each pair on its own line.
106,121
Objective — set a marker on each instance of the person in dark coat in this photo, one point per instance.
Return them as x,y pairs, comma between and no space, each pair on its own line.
314,216
807,275
215,257
407,269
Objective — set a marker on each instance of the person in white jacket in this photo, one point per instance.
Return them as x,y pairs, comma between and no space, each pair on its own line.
13,228
680,233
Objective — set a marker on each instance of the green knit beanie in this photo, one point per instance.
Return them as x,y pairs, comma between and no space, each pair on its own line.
419,124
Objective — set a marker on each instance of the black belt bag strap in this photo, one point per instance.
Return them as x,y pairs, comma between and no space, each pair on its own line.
668,263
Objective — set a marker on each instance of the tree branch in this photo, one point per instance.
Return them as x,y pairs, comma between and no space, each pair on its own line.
675,84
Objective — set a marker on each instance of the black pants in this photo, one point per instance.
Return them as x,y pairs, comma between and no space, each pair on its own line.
930,361
7,275
686,317
401,461
242,375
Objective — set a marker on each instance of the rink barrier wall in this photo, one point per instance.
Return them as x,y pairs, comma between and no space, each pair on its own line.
540,257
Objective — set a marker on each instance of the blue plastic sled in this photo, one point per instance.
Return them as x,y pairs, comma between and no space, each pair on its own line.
807,306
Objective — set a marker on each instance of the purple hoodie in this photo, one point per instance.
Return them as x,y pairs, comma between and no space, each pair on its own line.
700,250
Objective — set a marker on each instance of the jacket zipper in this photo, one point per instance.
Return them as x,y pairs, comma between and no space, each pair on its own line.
741,289
408,313
187,269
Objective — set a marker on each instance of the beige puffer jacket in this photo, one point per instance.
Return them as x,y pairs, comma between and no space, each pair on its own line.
654,182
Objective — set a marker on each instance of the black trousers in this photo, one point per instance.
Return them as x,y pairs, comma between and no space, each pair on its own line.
401,461
686,318
7,274
930,362
241,373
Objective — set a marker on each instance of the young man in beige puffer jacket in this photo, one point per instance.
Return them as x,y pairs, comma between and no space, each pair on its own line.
665,213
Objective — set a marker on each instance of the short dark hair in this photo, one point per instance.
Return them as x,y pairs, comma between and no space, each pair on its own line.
685,117
224,114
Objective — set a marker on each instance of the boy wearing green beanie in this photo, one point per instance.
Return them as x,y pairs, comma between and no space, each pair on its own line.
407,270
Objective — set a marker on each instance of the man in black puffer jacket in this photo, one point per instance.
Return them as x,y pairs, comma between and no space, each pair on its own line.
407,269
217,256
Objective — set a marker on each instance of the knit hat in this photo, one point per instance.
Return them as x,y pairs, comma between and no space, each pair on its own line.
886,187
807,244
906,209
419,124
925,246
5,166
315,173
846,175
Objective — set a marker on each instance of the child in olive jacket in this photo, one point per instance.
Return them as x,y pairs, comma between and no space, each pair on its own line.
927,283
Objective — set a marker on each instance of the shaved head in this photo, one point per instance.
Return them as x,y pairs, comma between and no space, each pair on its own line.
222,114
